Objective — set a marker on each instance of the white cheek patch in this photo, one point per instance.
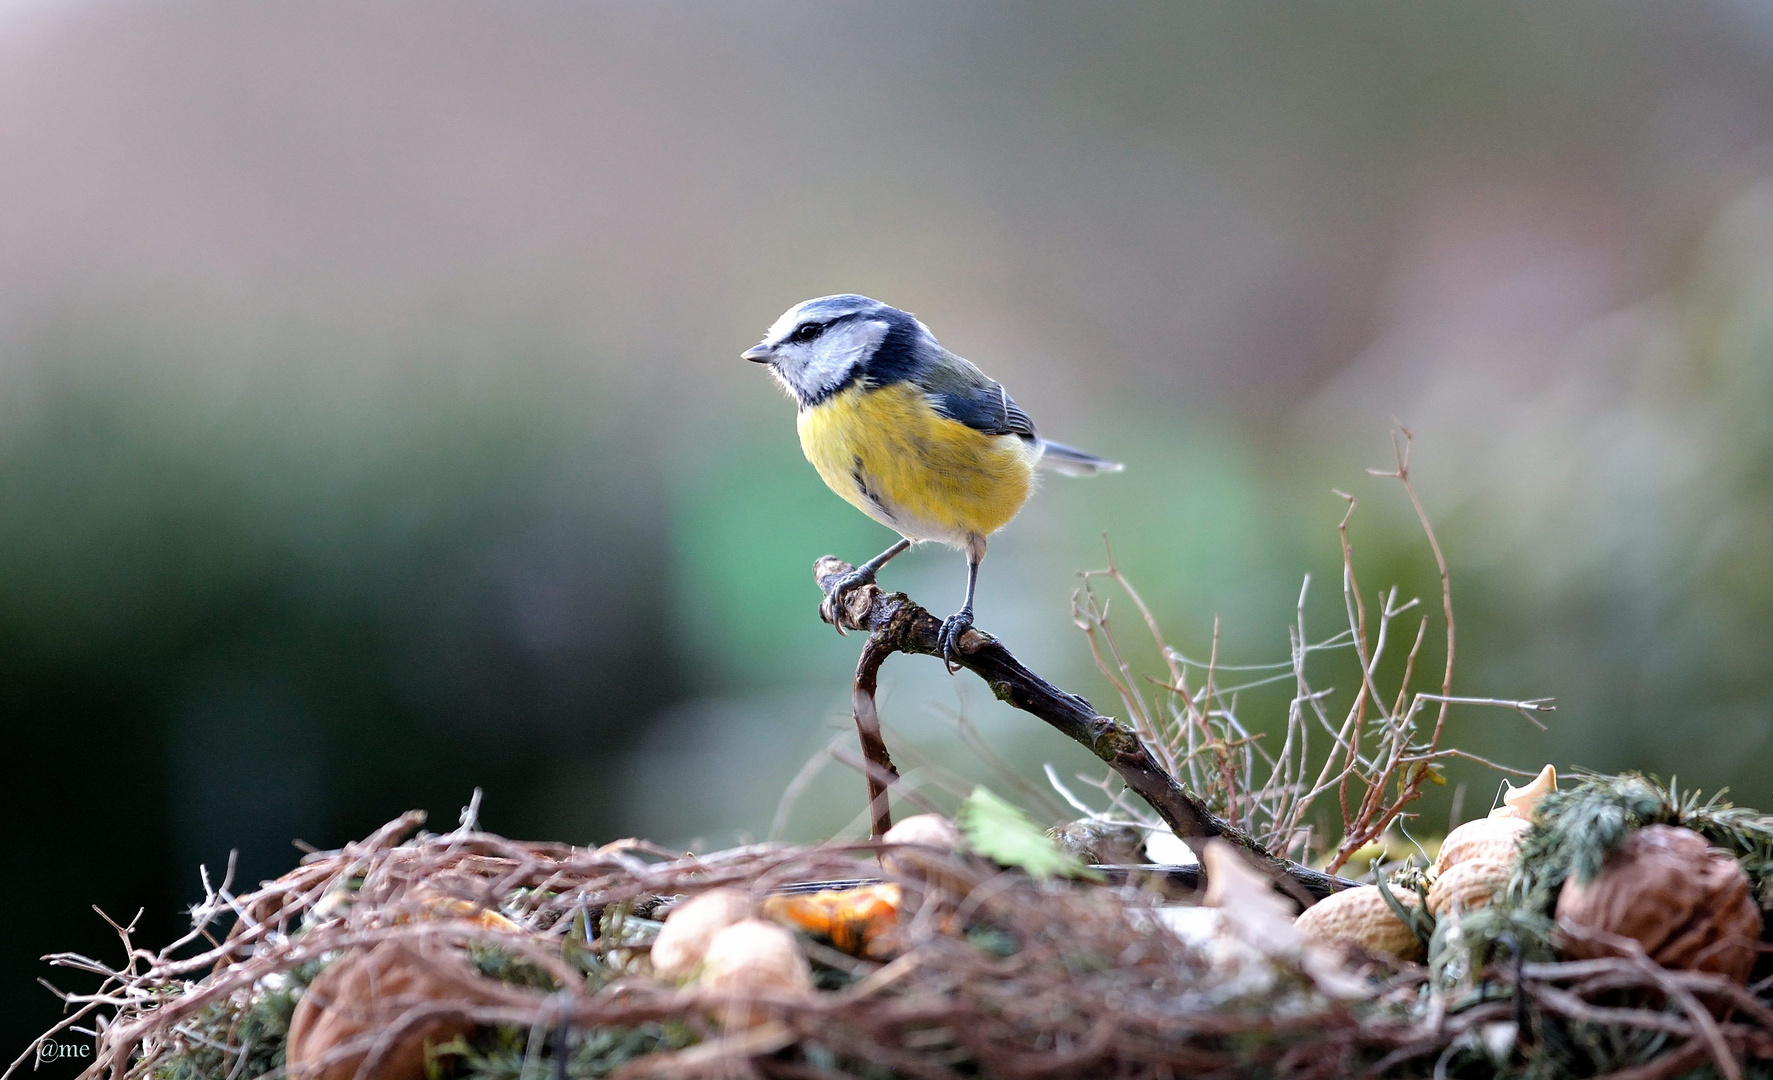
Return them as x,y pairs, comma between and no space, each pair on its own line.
843,347
822,365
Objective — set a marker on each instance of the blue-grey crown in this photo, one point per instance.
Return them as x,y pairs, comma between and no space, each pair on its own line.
828,309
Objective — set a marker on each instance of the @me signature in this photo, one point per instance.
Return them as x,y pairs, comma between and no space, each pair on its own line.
51,1050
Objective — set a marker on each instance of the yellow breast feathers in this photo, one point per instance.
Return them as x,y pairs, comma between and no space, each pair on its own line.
890,454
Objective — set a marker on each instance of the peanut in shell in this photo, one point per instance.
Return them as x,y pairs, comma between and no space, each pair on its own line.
1360,916
1468,885
1496,838
750,960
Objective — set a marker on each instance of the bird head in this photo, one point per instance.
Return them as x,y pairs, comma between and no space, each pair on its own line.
821,346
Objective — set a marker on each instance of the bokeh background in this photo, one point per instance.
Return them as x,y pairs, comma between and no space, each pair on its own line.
372,425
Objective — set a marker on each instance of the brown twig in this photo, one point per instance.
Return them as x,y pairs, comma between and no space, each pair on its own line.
1144,1003
1017,1014
896,624
881,772
1375,814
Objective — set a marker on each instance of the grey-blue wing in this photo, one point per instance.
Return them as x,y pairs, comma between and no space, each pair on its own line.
962,392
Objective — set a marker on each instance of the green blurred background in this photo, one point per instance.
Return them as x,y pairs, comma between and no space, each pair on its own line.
372,425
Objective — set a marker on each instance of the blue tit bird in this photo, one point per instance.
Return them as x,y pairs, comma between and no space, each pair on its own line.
910,434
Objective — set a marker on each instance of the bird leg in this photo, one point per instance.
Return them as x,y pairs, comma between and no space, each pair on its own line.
961,621
860,576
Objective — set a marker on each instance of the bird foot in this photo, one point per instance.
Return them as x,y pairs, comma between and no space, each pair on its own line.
952,629
840,592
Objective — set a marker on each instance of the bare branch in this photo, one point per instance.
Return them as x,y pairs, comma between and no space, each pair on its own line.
896,624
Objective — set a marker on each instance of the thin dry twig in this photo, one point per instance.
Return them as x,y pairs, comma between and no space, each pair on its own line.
896,624
1147,1007
1095,985
1374,758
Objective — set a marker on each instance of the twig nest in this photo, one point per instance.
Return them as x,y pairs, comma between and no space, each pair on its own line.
1493,838
683,942
1687,903
1468,885
1360,916
1523,802
751,960
347,1014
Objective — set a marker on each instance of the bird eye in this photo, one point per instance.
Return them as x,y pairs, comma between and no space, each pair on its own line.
807,332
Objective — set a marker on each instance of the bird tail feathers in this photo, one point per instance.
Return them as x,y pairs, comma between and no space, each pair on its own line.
1064,459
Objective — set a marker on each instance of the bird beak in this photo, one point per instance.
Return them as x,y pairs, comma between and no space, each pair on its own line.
757,354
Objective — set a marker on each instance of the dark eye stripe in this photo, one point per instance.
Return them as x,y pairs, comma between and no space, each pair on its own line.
807,332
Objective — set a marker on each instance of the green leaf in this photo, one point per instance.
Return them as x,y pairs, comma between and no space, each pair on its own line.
1003,833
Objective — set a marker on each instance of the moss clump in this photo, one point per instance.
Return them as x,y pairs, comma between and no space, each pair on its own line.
1577,829
1475,958
211,1044
1572,834
508,1053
